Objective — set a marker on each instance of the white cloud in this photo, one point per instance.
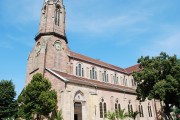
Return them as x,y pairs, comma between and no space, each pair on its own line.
169,44
21,12
22,40
106,23
11,41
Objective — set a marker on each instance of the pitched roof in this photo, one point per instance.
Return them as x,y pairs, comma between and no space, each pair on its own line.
96,62
128,70
134,68
94,83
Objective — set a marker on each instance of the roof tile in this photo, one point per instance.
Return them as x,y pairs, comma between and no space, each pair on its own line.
134,68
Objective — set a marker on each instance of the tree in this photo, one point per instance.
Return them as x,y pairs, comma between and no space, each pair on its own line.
37,98
178,61
159,79
176,114
8,104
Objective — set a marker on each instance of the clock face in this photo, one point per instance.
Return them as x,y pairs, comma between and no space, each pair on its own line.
57,46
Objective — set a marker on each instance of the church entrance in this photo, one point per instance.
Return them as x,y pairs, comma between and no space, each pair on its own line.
77,111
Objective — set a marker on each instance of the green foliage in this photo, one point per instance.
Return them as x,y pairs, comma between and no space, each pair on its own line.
178,61
159,79
121,114
8,104
59,115
37,98
56,115
111,115
133,114
118,115
177,114
9,118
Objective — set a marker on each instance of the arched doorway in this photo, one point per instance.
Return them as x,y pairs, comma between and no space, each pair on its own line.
77,111
79,106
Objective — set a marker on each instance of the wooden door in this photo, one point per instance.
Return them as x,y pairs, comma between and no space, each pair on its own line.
77,111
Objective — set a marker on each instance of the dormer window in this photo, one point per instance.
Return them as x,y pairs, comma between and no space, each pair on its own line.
57,15
79,70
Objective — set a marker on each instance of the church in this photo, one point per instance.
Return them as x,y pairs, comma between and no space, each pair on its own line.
86,88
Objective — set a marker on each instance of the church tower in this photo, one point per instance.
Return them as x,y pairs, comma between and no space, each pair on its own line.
51,45
52,18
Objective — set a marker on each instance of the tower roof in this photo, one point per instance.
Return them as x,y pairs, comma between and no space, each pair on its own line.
53,1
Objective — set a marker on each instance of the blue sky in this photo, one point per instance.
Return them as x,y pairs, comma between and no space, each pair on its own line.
114,31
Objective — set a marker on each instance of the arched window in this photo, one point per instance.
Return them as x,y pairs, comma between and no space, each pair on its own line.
87,72
93,73
44,10
105,76
124,81
105,110
149,110
79,70
57,15
115,78
100,75
117,106
141,110
121,80
102,108
38,49
133,82
130,108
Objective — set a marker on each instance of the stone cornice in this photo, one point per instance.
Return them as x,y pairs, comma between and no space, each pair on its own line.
51,33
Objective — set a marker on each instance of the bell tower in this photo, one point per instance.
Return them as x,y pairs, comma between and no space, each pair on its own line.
52,19
51,46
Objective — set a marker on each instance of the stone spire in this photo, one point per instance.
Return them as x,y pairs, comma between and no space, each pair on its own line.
55,1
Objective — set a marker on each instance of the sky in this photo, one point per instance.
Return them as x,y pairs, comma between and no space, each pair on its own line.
114,31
